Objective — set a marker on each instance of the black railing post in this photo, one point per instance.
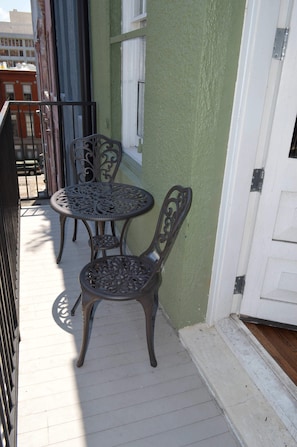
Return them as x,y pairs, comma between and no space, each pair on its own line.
9,267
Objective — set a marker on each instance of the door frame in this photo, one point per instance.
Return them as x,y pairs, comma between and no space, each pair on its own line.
238,206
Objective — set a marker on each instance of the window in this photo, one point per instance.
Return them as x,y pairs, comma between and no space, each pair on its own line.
27,92
30,152
139,9
133,78
29,125
9,92
30,53
18,152
14,124
29,43
140,109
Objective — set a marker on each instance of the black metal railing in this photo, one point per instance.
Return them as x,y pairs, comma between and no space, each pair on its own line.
42,132
9,253
29,132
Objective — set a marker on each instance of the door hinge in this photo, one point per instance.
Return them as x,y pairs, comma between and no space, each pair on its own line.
257,180
280,43
239,285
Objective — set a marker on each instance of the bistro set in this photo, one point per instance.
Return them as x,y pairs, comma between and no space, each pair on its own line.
96,198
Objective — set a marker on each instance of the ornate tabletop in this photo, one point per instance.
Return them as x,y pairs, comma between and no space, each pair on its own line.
102,201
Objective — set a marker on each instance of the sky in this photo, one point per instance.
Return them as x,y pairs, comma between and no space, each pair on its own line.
9,5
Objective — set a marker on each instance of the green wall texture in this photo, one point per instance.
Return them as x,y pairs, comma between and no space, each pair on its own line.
191,65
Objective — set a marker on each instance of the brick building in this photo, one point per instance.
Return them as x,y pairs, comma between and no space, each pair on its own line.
21,85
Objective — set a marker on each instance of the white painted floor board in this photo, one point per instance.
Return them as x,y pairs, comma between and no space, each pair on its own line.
116,398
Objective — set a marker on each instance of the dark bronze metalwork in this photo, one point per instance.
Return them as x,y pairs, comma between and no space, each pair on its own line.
100,202
95,158
124,277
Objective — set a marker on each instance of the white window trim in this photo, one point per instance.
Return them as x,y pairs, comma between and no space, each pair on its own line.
133,71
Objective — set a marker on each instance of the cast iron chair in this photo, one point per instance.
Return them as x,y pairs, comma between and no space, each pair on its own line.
95,158
127,277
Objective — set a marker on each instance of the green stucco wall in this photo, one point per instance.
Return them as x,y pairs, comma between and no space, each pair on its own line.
191,65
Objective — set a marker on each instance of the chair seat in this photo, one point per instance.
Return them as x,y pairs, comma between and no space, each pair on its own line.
105,242
117,277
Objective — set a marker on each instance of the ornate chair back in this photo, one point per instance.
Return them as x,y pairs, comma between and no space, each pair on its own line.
174,210
95,158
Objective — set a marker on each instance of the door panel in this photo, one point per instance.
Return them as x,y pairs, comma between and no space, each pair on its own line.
280,280
271,278
286,219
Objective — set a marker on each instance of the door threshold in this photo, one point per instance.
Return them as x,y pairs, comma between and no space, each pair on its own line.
256,395
280,342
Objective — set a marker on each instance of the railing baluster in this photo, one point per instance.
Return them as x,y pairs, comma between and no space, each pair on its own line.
9,237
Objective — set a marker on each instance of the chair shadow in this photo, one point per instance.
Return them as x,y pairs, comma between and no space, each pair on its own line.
61,312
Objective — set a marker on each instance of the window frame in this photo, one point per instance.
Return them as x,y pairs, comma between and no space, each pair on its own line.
10,95
27,87
133,73
30,132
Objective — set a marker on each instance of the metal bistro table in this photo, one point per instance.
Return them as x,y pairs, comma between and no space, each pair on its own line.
100,202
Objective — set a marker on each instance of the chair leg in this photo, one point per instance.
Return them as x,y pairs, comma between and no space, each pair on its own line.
62,237
87,311
112,226
75,305
74,231
150,306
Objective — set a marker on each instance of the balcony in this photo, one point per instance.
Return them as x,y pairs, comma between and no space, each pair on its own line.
116,398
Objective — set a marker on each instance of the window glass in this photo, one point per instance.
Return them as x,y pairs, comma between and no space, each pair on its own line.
139,8
30,153
18,152
133,78
14,125
29,125
27,92
293,148
133,85
9,90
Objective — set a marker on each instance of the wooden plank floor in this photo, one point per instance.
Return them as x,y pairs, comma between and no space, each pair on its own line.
116,398
281,345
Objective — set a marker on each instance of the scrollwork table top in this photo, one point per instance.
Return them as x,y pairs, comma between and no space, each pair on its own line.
99,201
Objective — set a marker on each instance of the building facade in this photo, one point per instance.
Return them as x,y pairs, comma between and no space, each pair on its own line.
16,40
21,85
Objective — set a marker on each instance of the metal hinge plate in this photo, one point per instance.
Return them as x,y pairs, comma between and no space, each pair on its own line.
280,43
239,285
257,180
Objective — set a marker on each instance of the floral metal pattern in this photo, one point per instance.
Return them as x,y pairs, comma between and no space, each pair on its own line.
102,201
118,275
95,158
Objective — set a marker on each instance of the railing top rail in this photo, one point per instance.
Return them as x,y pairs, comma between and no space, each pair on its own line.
3,113
53,103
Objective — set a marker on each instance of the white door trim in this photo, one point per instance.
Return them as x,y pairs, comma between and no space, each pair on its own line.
261,20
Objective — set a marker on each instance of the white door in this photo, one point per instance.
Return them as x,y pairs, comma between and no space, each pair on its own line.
271,279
